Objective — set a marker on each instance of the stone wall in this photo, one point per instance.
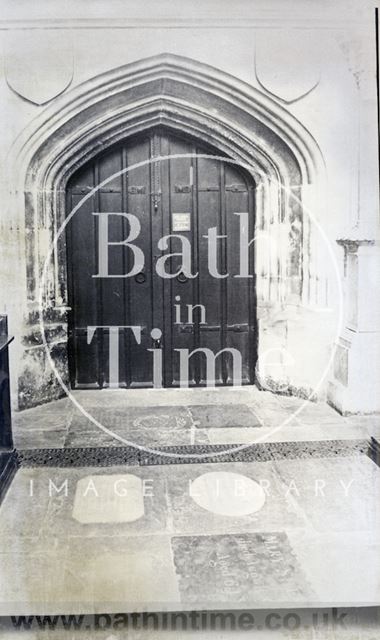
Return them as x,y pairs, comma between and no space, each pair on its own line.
320,75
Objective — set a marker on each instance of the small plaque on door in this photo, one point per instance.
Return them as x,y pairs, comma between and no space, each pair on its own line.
181,222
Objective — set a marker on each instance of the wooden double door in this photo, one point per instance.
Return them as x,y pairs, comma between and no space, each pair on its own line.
183,196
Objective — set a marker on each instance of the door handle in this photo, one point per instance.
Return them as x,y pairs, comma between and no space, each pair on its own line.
182,278
140,277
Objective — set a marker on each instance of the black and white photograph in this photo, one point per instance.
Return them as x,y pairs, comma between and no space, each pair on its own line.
189,320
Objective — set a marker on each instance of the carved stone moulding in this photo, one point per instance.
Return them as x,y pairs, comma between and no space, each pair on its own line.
178,93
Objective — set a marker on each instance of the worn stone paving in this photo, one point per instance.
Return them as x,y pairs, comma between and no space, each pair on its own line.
150,544
307,533
164,418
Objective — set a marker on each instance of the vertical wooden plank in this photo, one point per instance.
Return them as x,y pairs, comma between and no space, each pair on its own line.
165,229
127,338
98,283
182,336
141,286
224,269
81,236
112,288
209,203
239,290
196,254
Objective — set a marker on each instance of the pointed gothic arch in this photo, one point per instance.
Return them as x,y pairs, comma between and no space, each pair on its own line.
182,95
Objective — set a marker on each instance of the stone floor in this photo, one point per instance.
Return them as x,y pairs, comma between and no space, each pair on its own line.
154,418
238,535
283,533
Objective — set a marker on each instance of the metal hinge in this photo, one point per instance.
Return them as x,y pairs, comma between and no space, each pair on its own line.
182,188
238,328
136,190
186,328
236,188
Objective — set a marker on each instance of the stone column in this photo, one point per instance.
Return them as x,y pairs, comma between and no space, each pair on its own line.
355,387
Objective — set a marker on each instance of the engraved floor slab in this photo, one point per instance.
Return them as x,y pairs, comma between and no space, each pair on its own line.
92,436
78,513
247,569
279,511
109,498
152,417
228,494
224,415
144,426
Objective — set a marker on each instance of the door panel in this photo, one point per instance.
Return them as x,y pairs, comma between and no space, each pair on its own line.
178,196
210,215
139,300
182,290
238,289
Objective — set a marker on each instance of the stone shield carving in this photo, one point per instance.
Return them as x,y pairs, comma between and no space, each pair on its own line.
39,63
287,63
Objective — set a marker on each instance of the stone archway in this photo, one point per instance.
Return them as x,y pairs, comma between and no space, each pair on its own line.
182,95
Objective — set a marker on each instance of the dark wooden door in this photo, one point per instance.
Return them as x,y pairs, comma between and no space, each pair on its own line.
185,196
